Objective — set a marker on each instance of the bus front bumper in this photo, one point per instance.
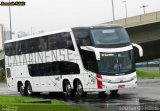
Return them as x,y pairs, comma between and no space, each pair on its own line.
121,85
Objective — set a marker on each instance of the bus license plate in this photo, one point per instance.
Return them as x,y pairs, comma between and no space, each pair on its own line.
121,86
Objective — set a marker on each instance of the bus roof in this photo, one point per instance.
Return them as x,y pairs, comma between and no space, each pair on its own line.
98,26
38,35
60,31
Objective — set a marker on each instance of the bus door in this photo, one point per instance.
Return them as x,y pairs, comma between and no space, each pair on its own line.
92,80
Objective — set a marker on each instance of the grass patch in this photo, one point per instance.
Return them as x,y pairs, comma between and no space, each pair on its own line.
15,103
144,74
14,99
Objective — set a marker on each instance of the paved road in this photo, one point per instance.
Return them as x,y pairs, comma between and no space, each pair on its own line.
147,92
4,90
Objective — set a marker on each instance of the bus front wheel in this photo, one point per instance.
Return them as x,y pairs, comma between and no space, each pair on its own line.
79,89
102,94
29,89
114,91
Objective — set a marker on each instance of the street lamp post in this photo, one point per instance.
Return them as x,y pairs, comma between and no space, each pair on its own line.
113,10
144,7
125,2
10,20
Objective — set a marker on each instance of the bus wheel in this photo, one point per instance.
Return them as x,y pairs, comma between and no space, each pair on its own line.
69,91
22,90
114,92
102,94
29,89
79,89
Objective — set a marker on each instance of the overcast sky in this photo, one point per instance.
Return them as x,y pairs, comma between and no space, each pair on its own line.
49,15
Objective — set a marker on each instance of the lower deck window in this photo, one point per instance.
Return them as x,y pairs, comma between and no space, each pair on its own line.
53,68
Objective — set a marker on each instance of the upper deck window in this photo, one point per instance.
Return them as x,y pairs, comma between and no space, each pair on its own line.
60,41
107,36
10,49
82,37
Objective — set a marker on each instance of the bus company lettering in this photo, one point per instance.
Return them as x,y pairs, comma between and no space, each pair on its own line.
39,57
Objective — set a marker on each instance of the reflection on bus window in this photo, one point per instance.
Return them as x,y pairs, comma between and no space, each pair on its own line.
116,35
82,37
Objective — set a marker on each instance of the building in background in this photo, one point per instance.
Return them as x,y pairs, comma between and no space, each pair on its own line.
1,37
6,34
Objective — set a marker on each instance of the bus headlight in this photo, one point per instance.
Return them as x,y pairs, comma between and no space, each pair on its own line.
106,80
134,77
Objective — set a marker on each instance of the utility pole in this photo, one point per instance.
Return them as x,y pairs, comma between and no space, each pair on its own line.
10,20
144,7
113,10
125,2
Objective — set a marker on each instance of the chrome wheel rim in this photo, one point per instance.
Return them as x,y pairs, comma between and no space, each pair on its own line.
29,90
68,89
79,89
21,90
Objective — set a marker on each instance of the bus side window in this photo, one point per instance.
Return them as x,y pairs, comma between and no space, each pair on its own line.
86,41
14,48
21,47
60,42
52,42
55,68
8,49
33,45
67,41
82,37
43,43
69,68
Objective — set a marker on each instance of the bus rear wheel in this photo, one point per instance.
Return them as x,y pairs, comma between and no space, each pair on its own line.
79,89
22,90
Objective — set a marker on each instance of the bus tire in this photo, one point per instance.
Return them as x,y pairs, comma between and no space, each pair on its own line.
79,89
29,89
22,90
114,91
69,91
35,93
102,94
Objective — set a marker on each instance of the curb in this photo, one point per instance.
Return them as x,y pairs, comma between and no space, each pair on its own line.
148,77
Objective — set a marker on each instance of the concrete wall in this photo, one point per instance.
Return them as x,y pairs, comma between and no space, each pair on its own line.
142,28
144,33
138,20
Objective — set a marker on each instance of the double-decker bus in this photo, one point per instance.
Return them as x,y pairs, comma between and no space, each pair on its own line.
75,61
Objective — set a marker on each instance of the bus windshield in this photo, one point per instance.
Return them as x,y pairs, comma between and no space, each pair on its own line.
107,36
116,63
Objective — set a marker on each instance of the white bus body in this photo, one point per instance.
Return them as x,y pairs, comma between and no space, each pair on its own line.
62,62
